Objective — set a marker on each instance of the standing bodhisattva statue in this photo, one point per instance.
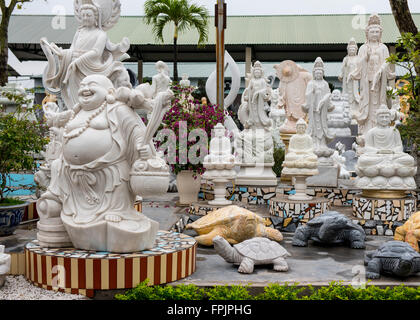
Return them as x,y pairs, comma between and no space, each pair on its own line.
91,52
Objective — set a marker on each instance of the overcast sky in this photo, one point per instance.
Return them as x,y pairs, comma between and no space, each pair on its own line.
241,7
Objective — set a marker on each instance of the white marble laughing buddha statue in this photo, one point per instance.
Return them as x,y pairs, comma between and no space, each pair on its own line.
383,165
90,181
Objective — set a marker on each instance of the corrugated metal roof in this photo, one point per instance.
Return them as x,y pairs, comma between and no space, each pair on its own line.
284,29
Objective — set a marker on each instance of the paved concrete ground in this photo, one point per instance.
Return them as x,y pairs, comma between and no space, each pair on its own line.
314,264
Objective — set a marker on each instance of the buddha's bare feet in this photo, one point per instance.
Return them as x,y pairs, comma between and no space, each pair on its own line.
112,218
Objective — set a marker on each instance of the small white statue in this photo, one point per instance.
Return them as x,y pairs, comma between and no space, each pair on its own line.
374,73
278,116
107,158
350,86
339,118
254,145
318,104
5,262
185,82
293,82
383,165
161,82
340,160
91,52
253,116
219,165
300,161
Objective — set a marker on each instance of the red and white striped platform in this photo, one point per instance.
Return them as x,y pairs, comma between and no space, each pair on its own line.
82,272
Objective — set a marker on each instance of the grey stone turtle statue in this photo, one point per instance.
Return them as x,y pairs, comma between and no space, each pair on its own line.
330,228
255,251
394,258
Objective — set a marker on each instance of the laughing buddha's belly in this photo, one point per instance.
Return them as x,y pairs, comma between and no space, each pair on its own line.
89,146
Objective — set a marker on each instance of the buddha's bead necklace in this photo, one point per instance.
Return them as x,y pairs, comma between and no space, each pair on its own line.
87,123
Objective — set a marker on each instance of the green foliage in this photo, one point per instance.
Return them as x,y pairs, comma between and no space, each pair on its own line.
145,292
21,138
10,202
184,16
409,59
334,291
189,112
277,292
278,161
227,293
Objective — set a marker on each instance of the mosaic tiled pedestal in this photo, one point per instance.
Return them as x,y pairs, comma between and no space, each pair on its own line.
293,213
202,208
383,216
339,197
82,272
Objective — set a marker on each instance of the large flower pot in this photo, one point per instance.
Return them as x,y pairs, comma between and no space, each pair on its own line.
10,218
188,187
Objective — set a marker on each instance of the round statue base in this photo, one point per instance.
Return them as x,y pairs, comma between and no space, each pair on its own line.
82,272
297,212
384,209
203,208
384,194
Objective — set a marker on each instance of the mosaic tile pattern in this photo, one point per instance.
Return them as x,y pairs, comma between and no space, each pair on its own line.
292,214
339,196
245,195
172,258
202,209
378,227
384,209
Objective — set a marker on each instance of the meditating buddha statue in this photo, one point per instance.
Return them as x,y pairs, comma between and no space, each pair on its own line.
219,165
300,159
383,165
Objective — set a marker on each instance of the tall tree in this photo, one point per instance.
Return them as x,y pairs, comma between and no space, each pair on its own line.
404,20
6,13
183,15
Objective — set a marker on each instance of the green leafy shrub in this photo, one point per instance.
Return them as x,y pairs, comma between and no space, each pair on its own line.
227,293
334,291
277,292
145,292
278,161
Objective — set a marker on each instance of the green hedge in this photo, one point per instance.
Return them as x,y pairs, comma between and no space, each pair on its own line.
335,291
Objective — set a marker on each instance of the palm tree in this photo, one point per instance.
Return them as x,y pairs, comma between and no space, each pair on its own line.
184,16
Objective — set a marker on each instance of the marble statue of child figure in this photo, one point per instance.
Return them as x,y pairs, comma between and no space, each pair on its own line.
350,86
90,181
185,82
383,165
5,262
318,104
300,159
91,52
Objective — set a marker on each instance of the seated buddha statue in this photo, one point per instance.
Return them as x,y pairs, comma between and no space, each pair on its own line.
300,158
383,163
220,153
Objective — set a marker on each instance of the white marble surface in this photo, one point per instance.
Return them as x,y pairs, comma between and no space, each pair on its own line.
5,261
107,159
91,52
318,104
374,74
338,120
382,164
350,86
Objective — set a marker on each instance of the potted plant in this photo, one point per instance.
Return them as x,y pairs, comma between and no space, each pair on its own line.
186,115
21,138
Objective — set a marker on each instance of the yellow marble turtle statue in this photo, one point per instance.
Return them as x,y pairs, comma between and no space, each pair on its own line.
410,231
233,223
